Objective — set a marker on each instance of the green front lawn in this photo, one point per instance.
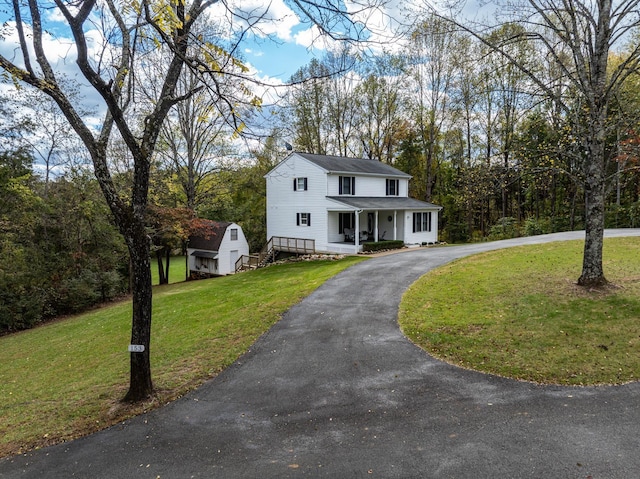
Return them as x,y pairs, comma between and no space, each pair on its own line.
65,379
514,312
519,313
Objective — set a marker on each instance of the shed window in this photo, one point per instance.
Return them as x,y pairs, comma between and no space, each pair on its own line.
234,234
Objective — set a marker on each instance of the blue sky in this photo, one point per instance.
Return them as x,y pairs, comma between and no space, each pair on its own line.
278,43
276,46
278,60
283,40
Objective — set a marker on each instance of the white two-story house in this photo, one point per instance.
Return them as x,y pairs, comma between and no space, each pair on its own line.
342,202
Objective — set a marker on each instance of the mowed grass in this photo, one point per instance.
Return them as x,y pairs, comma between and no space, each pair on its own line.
65,379
519,313
177,270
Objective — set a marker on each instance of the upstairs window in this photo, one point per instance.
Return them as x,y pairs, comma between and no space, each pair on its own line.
303,219
234,234
300,184
347,185
422,222
393,187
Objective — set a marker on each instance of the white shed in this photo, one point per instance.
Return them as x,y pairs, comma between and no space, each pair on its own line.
215,252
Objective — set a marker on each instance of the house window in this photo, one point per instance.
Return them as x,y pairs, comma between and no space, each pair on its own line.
347,185
393,187
300,184
346,221
303,219
422,222
234,234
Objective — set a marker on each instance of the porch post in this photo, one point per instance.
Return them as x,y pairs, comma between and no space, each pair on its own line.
395,225
356,234
375,229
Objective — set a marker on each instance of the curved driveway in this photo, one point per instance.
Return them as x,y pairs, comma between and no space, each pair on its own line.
335,390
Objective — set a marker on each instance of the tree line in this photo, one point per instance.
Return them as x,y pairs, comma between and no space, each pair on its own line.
59,249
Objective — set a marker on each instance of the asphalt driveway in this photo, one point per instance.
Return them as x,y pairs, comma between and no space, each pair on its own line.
335,390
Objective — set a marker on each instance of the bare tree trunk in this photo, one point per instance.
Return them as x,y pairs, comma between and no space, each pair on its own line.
140,384
161,276
167,259
592,270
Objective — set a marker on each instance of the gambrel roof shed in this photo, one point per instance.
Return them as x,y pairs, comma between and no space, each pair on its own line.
213,239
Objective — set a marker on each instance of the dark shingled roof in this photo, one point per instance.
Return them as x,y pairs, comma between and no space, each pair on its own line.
339,164
214,238
383,203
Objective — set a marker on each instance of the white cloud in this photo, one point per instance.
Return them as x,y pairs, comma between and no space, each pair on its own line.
264,19
307,38
253,53
266,87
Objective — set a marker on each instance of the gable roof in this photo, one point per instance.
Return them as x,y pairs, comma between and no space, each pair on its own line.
213,239
339,164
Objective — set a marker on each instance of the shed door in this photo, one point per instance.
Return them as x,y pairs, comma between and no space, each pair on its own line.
234,258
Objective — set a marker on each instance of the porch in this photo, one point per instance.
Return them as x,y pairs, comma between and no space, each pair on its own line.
348,230
356,220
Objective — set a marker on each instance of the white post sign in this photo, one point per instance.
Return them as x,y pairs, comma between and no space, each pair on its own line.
136,348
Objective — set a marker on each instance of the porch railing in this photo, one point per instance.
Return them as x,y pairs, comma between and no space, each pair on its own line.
271,249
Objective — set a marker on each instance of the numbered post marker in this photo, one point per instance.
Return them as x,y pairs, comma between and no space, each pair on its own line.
136,348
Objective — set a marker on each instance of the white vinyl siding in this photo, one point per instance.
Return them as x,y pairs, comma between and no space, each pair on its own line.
366,186
426,222
283,203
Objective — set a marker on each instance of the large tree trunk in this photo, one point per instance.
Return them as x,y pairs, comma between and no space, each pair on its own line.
594,196
140,385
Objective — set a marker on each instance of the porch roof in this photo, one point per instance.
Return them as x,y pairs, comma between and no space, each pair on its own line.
383,203
205,254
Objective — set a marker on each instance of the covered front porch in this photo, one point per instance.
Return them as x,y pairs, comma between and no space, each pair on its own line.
358,220
348,230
